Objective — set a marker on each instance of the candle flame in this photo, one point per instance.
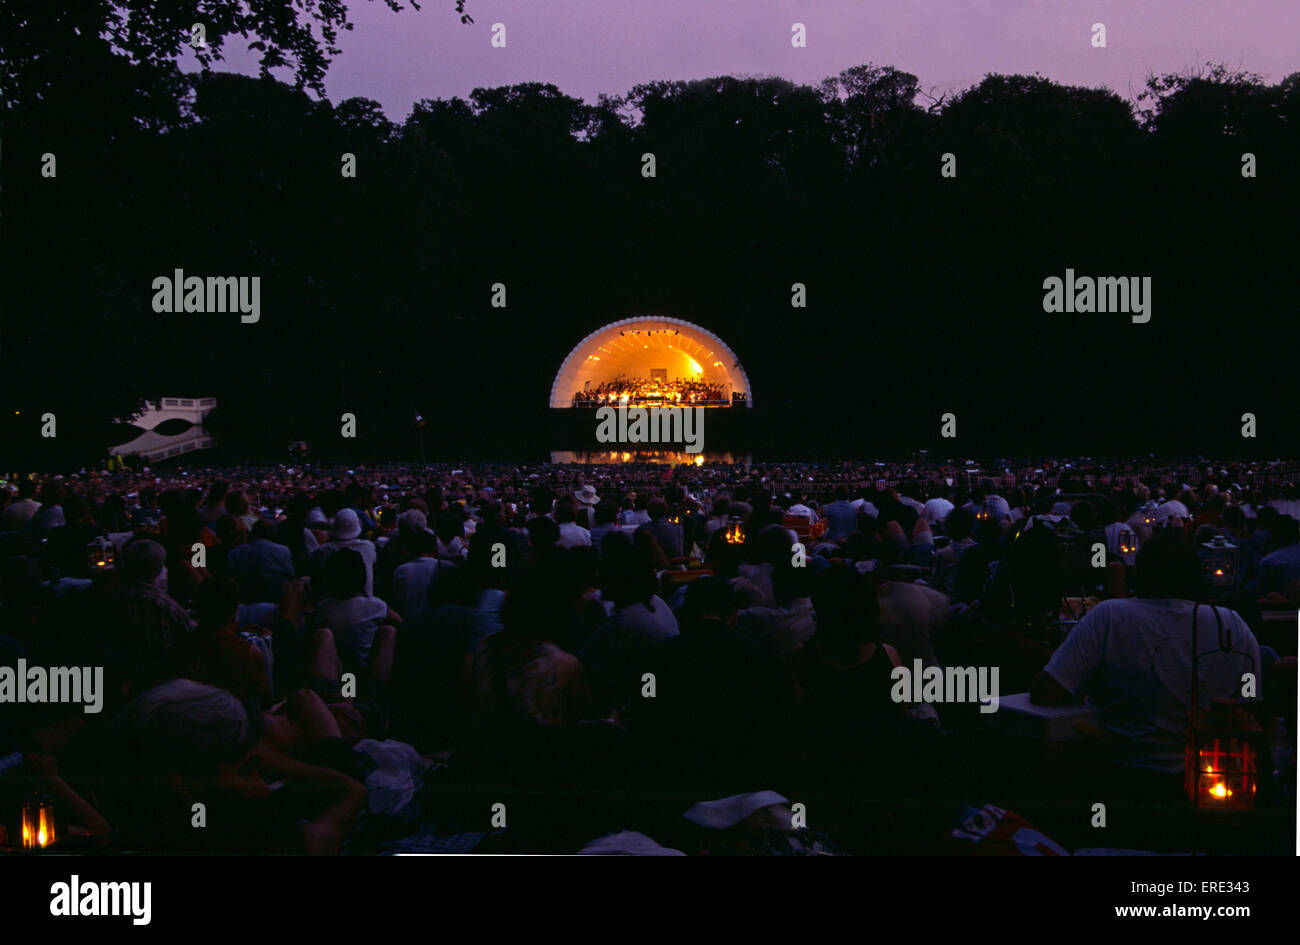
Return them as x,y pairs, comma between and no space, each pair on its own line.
1220,791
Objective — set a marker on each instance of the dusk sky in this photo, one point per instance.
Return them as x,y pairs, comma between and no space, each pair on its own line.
587,47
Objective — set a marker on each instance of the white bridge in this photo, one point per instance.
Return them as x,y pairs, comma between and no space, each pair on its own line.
152,446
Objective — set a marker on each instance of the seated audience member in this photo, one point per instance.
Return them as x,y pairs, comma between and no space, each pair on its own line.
184,742
846,683
938,507
572,534
66,546
667,534
1133,659
719,516
345,532
261,567
214,506
639,513
147,624
789,623
348,611
1279,571
20,511
947,559
450,532
920,552
411,581
216,653
720,722
639,618
911,617
847,664
606,515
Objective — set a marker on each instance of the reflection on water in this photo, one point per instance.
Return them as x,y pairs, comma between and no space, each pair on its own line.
662,457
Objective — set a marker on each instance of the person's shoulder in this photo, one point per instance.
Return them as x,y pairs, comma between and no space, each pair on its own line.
656,606
1124,605
1115,608
1238,622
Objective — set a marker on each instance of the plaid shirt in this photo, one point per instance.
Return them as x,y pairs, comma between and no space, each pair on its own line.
150,625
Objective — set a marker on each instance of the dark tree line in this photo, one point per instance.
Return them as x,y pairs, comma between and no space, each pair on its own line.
924,293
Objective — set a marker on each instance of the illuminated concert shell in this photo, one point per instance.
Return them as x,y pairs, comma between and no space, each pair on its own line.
634,347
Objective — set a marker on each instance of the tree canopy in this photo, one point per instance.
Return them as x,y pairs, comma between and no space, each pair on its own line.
922,290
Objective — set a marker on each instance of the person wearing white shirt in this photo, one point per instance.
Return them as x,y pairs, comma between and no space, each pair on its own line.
865,507
349,612
907,496
572,535
1171,509
1287,504
936,509
1133,658
800,509
790,622
19,512
412,580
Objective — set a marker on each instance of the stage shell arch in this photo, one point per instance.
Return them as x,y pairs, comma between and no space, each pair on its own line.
636,347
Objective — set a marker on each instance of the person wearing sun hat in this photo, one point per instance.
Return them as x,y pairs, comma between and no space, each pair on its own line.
345,532
587,502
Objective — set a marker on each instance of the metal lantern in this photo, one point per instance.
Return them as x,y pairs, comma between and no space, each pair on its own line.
101,554
1219,562
984,512
1223,749
1126,543
735,531
38,823
1224,744
1148,513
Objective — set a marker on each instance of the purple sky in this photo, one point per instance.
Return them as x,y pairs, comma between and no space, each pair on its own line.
586,47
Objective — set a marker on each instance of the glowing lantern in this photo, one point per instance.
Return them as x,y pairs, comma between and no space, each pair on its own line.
101,555
1222,762
38,823
1126,542
1148,513
1219,562
735,531
984,512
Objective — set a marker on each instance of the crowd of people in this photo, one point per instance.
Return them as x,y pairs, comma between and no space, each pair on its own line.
625,658
652,391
